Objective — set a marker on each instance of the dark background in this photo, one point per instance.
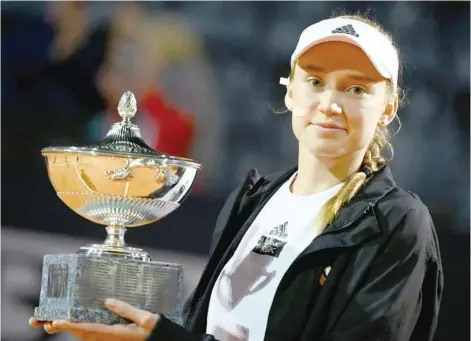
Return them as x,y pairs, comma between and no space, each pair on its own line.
216,66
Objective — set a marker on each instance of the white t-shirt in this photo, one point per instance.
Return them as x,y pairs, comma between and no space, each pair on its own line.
244,291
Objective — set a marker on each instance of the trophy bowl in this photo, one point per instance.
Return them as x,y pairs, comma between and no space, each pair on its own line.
120,183
119,191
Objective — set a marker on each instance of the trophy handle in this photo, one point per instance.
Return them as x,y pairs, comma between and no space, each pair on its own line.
164,172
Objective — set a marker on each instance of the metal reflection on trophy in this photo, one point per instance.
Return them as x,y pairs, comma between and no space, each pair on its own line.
120,183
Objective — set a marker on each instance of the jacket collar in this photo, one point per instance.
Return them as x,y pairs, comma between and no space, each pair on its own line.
375,189
379,185
342,231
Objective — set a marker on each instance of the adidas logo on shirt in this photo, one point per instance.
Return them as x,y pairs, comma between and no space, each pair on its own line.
280,231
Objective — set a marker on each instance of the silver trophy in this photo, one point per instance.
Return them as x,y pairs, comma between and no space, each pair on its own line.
121,183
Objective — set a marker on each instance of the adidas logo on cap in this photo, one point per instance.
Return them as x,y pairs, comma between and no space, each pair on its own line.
348,29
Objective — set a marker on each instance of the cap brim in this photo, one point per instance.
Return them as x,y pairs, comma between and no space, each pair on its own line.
347,39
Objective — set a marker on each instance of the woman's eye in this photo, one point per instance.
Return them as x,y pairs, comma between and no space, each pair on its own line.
357,90
315,82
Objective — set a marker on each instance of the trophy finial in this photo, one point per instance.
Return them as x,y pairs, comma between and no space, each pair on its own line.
127,106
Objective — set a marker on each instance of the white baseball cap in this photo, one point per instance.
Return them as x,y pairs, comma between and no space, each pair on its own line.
374,44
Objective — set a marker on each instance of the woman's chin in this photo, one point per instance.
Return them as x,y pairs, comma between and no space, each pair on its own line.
326,149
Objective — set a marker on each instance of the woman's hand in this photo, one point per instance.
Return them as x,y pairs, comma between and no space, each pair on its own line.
143,324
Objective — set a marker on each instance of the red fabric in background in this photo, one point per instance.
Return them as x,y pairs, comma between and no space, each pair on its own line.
176,129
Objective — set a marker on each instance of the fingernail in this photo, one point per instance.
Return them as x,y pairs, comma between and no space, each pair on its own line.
59,323
110,303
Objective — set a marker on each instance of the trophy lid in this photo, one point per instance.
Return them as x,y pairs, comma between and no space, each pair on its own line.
123,139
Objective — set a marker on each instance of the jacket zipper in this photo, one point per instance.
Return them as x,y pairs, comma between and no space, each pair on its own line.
334,230
229,216
361,214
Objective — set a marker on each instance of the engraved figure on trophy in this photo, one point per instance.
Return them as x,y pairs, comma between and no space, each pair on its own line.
121,183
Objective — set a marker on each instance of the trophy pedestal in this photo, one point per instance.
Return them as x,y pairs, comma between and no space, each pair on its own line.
75,286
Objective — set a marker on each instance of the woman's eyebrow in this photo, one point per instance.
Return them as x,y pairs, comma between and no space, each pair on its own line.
362,78
311,67
358,77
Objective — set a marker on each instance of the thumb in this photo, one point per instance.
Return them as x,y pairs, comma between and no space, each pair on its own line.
34,323
140,317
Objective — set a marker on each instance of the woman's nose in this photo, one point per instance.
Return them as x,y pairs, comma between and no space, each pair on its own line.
328,104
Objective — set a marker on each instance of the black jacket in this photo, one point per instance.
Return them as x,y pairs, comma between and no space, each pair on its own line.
385,281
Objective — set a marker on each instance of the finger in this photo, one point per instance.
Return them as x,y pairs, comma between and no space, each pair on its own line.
140,317
93,327
86,336
50,329
82,327
91,332
35,323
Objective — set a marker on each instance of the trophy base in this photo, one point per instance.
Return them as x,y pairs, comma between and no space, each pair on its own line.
74,287
81,314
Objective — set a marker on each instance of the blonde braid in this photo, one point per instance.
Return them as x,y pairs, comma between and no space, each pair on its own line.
373,161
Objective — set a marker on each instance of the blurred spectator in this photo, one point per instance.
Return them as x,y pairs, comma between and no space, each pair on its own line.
56,94
132,65
188,80
162,61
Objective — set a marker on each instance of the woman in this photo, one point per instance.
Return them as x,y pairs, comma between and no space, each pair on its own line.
332,249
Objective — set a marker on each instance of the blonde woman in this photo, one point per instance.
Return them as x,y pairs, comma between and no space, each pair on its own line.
331,250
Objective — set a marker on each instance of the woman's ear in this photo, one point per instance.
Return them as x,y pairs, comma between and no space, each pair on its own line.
289,98
390,111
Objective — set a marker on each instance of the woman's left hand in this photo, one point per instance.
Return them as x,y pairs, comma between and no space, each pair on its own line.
143,324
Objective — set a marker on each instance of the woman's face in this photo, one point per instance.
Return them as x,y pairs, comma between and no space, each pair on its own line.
337,99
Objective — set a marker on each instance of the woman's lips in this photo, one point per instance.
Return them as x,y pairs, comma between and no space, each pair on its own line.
328,127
